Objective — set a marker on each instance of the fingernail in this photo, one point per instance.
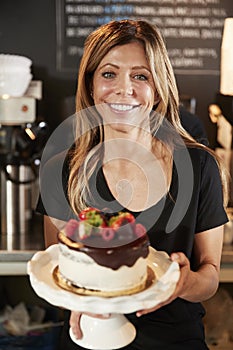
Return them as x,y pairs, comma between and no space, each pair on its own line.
175,256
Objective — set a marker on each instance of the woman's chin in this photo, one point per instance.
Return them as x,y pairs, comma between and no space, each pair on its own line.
120,126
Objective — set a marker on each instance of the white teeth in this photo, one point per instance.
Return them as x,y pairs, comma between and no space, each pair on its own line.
121,107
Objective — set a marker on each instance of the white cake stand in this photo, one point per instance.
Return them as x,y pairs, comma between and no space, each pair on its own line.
116,331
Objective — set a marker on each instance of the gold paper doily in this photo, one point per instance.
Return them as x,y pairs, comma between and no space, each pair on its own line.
65,284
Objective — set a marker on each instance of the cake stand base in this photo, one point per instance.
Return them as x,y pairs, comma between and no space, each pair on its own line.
105,334
116,331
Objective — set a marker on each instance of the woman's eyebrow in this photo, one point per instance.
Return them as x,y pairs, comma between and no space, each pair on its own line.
109,64
141,67
117,67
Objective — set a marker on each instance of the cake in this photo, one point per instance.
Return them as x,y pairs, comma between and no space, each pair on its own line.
103,254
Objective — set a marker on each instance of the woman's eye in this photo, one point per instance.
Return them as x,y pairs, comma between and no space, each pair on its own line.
108,75
141,77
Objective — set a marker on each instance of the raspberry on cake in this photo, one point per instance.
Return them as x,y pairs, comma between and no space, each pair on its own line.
104,254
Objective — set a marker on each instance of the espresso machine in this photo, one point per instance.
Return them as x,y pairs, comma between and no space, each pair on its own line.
22,137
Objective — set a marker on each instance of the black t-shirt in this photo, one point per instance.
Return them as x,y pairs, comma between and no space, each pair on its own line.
194,204
193,125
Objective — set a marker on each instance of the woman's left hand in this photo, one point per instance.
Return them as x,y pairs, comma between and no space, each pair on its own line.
184,264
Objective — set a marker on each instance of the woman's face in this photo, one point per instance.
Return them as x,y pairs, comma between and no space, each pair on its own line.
123,86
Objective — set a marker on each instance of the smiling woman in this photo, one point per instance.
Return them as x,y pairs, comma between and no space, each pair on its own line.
123,83
135,157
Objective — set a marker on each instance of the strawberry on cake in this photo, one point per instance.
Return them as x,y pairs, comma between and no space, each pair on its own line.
103,254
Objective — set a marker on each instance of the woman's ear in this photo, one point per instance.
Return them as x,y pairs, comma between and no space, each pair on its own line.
91,89
156,101
156,98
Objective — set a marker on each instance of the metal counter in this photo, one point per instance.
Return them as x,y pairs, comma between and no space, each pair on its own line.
226,273
16,250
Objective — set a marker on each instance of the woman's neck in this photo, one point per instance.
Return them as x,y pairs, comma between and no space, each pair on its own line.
137,168
131,145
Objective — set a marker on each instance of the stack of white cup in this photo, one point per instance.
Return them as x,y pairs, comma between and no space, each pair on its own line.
15,75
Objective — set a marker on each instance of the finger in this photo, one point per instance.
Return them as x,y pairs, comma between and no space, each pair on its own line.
180,258
75,324
158,306
102,316
184,264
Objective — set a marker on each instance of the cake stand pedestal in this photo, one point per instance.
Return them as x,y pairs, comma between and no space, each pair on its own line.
116,331
104,334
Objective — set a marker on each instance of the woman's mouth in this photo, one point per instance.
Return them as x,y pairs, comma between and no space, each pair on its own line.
120,107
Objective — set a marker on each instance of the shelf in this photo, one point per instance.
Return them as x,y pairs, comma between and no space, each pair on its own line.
15,263
227,254
226,272
13,268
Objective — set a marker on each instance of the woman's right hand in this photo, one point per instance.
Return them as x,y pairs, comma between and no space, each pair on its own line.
75,319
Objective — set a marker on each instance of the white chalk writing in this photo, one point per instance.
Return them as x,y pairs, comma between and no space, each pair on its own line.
183,23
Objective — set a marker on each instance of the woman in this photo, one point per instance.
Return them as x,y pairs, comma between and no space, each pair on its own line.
132,153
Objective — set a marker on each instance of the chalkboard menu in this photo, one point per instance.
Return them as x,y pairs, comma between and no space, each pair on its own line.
192,29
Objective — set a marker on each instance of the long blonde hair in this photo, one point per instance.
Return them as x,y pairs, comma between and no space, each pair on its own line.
88,149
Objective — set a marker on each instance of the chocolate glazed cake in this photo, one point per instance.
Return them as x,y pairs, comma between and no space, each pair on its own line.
108,259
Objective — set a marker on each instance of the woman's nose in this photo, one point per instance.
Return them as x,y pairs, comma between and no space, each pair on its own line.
124,87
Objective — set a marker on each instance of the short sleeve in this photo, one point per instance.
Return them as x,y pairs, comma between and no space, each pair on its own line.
53,199
211,212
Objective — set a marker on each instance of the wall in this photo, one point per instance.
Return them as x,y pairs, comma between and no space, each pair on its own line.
37,29
28,27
